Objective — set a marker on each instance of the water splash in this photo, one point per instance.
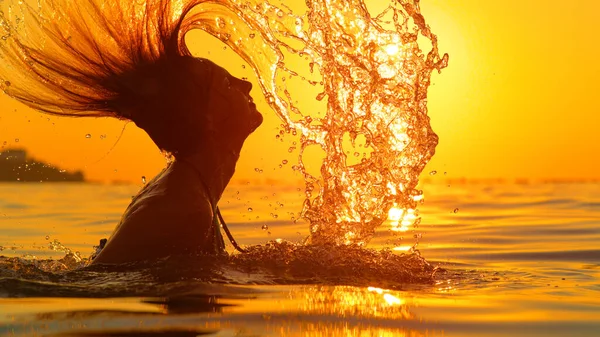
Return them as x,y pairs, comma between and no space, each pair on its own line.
286,262
374,76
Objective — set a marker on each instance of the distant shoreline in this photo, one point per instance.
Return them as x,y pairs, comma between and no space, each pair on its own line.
16,166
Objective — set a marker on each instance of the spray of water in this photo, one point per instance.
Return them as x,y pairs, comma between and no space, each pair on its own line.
373,74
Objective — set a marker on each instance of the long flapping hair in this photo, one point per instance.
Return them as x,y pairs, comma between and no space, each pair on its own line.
90,57
69,58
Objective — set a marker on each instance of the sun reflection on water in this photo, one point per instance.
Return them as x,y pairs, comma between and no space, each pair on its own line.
362,302
389,298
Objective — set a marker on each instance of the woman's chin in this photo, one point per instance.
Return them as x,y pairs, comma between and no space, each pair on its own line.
256,121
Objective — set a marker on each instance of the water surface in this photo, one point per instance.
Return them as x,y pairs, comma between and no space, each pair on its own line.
512,260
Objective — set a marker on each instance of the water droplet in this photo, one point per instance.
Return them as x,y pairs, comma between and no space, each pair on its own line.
432,173
102,136
88,136
455,210
252,35
16,140
284,161
264,227
7,83
143,179
250,209
220,22
47,237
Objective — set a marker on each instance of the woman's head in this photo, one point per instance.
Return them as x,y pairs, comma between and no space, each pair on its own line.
229,113
122,59
186,102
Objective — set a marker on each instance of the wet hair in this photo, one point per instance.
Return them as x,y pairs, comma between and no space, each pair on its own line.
97,58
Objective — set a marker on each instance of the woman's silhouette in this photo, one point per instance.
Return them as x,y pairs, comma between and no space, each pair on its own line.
129,61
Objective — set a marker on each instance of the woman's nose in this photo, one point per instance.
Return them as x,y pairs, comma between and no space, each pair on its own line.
244,86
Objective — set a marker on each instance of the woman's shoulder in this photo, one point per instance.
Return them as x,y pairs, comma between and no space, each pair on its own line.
170,215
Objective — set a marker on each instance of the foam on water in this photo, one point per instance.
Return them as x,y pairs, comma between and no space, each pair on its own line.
273,263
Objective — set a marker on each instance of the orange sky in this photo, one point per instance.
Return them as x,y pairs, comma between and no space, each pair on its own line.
517,100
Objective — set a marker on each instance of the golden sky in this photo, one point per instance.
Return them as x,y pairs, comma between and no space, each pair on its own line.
518,100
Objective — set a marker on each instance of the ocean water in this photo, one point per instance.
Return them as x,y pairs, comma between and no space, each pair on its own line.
496,259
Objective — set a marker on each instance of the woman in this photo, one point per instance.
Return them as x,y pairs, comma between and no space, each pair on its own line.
174,213
129,61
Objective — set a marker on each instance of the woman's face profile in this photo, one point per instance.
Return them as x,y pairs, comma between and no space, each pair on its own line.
230,112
